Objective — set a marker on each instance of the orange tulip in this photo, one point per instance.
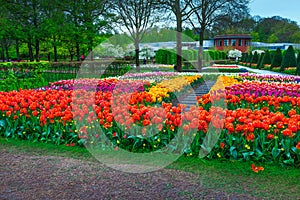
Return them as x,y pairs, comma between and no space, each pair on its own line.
256,169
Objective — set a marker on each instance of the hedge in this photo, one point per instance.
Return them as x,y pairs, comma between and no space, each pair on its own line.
15,74
167,56
289,59
277,59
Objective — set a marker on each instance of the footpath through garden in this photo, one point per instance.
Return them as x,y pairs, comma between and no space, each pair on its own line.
191,98
28,176
261,71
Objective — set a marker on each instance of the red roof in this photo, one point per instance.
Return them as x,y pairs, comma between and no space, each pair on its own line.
233,36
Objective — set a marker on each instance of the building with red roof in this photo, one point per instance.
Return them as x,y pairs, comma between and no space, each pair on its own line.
232,41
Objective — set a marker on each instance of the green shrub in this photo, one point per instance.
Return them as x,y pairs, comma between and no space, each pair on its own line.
254,59
298,69
277,59
249,58
266,58
260,61
289,59
211,54
244,57
298,58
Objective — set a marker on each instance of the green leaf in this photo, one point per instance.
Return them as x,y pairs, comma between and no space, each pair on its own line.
247,154
275,152
2,123
233,152
294,149
289,161
7,133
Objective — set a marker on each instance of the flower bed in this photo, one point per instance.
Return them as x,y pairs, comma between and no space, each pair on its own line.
223,68
260,122
99,85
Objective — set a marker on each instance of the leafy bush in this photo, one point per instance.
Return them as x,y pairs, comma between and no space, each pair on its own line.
254,59
277,59
260,61
298,69
266,58
298,58
289,59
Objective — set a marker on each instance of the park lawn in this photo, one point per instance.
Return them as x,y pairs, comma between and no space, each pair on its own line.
274,182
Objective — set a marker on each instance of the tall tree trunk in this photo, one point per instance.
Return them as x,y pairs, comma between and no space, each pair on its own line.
37,50
18,50
200,52
90,49
55,52
179,40
71,54
30,51
137,55
54,49
77,51
2,51
6,51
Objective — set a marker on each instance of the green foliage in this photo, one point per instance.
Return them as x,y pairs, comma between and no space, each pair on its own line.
260,61
29,75
266,58
249,58
298,58
276,29
254,59
289,59
23,75
277,59
298,69
212,55
244,57
165,56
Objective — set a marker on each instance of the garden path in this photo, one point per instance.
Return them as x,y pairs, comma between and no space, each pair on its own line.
27,176
191,98
261,71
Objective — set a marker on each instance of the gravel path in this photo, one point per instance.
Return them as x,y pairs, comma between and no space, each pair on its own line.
23,176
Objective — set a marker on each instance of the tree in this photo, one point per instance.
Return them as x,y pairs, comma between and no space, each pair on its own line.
254,59
289,59
277,29
85,21
52,25
137,17
260,61
249,58
277,58
28,16
298,69
298,58
272,38
179,8
204,13
267,58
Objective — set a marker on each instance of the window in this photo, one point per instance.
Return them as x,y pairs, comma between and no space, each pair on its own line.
226,42
233,42
246,43
219,43
240,42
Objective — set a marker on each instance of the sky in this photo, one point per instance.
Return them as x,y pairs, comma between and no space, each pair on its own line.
284,8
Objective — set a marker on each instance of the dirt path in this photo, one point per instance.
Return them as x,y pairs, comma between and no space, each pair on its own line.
23,176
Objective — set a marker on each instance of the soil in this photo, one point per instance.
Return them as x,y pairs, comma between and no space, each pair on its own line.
26,176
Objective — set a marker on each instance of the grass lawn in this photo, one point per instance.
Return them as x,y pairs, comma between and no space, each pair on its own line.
275,182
